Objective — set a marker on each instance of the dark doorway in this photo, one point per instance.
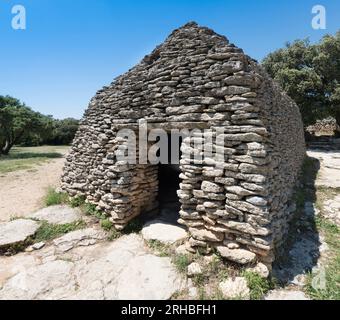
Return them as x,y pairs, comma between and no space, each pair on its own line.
169,180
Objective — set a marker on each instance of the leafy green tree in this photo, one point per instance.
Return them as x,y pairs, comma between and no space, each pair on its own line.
64,131
18,122
310,74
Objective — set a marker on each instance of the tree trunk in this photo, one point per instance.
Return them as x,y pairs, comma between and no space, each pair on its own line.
6,148
337,119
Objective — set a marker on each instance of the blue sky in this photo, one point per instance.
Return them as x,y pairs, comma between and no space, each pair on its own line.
71,49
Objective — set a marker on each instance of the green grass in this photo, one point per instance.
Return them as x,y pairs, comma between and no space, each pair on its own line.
77,201
258,286
114,235
47,231
24,158
53,198
91,210
332,269
181,262
106,224
159,248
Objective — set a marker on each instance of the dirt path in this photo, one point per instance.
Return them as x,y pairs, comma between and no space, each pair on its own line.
21,192
329,173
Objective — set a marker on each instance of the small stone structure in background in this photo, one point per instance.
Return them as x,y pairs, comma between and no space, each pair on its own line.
197,80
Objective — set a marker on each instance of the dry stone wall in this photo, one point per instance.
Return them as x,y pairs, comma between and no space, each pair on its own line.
239,203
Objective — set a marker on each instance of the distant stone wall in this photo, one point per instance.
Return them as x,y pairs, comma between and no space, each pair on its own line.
239,204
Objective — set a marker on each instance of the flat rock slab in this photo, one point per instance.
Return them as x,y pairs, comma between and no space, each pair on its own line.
329,173
150,278
332,209
163,232
122,269
286,295
17,231
58,215
83,237
240,256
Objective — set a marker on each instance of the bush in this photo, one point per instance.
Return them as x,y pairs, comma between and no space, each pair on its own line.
54,198
258,286
106,224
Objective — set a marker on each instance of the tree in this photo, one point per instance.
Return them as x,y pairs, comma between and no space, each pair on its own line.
18,122
310,74
64,131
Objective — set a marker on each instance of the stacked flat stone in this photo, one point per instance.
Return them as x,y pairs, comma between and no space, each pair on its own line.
239,203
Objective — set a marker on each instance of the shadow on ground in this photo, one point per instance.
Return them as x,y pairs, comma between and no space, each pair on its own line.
31,155
303,246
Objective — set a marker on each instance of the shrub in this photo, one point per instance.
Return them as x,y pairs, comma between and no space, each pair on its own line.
54,198
106,224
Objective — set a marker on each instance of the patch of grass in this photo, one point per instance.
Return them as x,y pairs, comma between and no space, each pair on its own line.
323,194
217,295
114,235
23,158
159,248
106,224
76,202
49,231
258,286
198,280
331,272
54,198
181,262
91,210
222,274
202,294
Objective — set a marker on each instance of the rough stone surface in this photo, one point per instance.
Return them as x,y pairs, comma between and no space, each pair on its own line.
82,237
196,80
164,232
122,269
286,295
38,246
329,173
240,256
332,209
17,231
261,269
150,278
58,215
236,288
194,269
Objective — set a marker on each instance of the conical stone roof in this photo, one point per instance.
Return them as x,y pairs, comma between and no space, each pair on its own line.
191,57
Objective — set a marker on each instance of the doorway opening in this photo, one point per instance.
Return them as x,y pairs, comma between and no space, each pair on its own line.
169,180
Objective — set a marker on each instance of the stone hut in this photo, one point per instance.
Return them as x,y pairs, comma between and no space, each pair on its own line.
240,204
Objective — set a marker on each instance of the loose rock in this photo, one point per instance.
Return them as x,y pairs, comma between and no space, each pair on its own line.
58,215
163,232
16,232
240,256
235,288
